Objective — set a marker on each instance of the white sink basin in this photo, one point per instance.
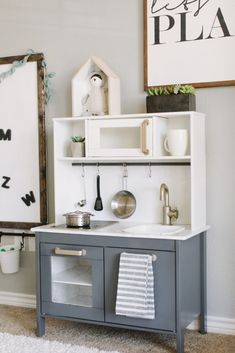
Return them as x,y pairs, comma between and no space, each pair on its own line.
153,229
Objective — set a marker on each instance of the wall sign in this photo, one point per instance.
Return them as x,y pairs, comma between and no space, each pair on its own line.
189,42
23,201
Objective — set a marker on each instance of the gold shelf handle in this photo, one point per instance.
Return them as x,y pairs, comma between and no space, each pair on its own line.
144,125
59,251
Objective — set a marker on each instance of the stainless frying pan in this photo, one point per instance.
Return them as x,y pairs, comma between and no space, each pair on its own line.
123,203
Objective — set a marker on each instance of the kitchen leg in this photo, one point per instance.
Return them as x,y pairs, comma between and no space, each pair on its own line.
40,326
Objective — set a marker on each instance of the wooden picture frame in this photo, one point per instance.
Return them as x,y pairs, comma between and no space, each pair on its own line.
189,42
23,191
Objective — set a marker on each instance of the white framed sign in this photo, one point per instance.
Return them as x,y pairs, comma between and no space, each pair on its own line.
189,42
23,201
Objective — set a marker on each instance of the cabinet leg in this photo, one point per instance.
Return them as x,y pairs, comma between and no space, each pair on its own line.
180,341
40,326
203,309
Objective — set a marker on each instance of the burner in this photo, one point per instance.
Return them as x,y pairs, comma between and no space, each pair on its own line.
80,227
93,225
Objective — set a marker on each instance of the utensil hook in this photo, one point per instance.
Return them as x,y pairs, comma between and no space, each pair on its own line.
83,170
98,168
125,170
150,170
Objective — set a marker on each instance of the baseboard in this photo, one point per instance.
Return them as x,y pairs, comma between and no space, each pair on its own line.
18,299
214,324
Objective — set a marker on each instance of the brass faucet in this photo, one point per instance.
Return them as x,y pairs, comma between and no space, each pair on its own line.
169,214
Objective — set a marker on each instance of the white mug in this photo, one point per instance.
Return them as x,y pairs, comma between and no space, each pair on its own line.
176,142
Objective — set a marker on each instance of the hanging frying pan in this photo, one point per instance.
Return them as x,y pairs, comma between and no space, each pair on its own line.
123,203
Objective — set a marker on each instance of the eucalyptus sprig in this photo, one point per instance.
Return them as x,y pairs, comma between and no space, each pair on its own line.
47,76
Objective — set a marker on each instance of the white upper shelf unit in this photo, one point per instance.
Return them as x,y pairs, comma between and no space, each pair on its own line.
129,138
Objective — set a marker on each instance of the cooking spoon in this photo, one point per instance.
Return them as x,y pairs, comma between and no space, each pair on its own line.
82,202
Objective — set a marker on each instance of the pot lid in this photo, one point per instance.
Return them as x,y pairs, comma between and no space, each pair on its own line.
78,214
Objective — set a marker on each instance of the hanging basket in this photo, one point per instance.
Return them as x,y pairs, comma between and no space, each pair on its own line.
10,258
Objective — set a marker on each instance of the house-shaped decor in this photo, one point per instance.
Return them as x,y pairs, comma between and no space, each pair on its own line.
95,90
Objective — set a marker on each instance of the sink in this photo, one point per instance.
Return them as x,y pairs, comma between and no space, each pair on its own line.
153,229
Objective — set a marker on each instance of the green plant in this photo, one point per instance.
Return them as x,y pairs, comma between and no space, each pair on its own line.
168,90
77,139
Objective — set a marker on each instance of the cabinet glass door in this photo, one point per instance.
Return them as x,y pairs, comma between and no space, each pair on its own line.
72,279
120,137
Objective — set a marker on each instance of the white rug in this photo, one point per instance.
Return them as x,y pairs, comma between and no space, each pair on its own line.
22,344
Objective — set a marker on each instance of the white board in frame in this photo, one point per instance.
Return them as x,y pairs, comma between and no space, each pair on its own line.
189,42
23,195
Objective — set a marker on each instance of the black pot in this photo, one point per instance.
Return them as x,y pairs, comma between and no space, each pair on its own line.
171,103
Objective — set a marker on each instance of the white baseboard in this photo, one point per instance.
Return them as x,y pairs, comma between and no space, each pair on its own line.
18,299
214,324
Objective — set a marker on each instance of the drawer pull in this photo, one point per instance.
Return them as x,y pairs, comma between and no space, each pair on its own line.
59,251
144,125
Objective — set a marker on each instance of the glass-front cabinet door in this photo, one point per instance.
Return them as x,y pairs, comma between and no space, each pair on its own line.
120,137
73,281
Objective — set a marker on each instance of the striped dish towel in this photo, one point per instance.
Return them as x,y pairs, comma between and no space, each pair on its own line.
135,292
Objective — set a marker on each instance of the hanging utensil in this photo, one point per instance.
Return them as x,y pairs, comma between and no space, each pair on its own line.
98,202
123,203
82,202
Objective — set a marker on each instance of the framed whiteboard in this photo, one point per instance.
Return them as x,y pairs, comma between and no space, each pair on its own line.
23,195
189,42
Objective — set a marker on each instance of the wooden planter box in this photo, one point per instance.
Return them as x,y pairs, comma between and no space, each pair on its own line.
171,103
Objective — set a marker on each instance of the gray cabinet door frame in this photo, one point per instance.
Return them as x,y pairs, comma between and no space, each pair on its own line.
96,312
164,284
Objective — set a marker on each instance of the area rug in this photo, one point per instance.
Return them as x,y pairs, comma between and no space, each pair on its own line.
23,344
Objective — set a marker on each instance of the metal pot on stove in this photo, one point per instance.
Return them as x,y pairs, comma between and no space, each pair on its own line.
78,219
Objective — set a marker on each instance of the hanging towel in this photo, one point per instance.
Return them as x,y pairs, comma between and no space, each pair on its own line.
135,292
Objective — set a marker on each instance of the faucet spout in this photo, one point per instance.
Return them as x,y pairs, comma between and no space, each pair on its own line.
169,213
164,194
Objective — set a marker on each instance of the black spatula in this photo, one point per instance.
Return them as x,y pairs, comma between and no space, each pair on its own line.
98,202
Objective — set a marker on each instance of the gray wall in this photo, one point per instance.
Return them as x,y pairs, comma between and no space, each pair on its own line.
68,32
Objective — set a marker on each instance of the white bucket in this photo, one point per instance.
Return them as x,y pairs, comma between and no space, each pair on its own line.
10,258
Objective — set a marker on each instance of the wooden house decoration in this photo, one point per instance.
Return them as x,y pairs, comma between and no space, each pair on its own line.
82,90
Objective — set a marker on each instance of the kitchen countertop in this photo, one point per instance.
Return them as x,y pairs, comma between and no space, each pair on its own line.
116,229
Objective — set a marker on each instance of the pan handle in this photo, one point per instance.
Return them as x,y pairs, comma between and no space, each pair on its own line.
124,182
144,125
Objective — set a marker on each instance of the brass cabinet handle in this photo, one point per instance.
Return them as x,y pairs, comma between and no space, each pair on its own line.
59,251
144,125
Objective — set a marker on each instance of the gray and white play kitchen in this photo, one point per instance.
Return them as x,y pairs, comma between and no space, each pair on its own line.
81,271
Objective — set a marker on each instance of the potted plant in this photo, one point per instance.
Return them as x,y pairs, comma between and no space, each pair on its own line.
171,99
78,146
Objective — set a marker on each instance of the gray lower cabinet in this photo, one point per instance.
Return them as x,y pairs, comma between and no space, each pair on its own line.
164,289
77,278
